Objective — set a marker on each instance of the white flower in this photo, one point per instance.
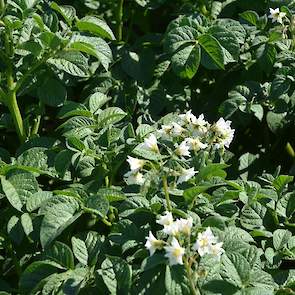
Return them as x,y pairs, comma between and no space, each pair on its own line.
199,126
177,130
224,133
186,174
135,164
134,177
150,143
166,219
183,149
187,118
204,242
217,250
171,229
174,252
152,244
184,225
276,15
195,144
166,131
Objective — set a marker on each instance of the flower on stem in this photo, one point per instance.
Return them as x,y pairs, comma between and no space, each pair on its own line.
134,177
150,143
152,244
186,174
166,219
187,118
195,144
276,15
204,242
217,250
184,225
171,229
174,252
182,149
165,132
199,126
177,130
223,132
135,164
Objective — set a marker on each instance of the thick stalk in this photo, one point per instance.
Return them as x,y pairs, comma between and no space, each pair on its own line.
119,20
36,125
165,187
194,291
11,102
2,7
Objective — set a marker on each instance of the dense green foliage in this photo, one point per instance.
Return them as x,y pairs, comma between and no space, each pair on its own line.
112,179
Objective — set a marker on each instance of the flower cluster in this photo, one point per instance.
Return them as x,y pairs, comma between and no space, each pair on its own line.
178,243
182,138
276,15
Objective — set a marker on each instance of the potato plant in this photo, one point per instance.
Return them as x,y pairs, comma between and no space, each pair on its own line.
146,147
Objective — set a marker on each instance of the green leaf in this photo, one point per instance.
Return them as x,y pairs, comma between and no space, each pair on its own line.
15,229
27,223
281,238
180,37
210,171
250,16
18,187
281,182
191,193
96,101
228,41
275,121
68,12
252,216
112,195
220,287
235,268
186,61
86,247
11,194
95,26
52,92
110,115
59,213
212,48
257,109
61,254
34,274
176,281
266,56
40,159
98,204
72,62
94,46
116,274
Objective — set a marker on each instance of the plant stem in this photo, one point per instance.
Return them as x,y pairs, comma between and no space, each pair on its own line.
190,278
36,125
2,96
13,107
119,22
165,186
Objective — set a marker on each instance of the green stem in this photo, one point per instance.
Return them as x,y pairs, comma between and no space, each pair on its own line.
194,291
36,125
15,260
2,6
119,22
165,186
14,109
2,96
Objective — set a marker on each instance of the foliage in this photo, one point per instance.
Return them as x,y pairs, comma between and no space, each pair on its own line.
146,147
